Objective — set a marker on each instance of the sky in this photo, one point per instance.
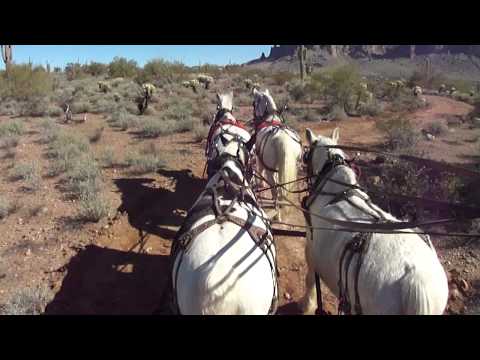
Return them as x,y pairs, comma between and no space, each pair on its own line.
191,55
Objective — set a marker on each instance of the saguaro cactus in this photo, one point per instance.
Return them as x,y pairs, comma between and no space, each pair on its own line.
412,52
302,55
428,68
7,56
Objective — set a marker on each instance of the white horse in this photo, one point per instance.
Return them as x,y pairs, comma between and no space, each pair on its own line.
278,148
386,273
224,256
224,128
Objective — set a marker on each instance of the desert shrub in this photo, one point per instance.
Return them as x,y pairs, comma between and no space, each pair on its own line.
49,130
74,71
104,106
5,207
92,208
12,127
28,172
371,109
9,142
38,106
64,150
120,118
154,127
96,69
79,107
340,84
406,102
83,177
400,133
337,113
200,133
25,83
280,78
437,128
298,92
429,81
163,72
121,67
28,301
10,107
108,158
145,161
97,135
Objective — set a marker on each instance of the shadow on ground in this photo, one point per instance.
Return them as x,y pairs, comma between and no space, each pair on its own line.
153,210
103,281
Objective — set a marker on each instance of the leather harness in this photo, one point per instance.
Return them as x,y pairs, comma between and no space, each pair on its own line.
360,242
228,188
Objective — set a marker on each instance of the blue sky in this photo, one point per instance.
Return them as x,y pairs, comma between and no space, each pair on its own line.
59,55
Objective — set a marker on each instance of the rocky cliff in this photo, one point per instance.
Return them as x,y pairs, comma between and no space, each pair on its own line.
369,51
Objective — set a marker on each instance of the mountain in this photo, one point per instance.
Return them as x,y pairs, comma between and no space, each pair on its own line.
462,61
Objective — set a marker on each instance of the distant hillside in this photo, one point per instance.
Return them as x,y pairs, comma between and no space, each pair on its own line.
461,61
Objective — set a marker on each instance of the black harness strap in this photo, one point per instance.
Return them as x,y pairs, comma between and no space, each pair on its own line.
358,245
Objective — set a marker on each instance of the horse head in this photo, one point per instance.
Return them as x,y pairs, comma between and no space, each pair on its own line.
263,104
319,153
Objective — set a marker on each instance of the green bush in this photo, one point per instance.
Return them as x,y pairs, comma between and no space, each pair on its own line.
280,78
163,72
340,85
64,150
121,67
74,71
12,127
92,208
96,69
24,83
436,128
29,301
200,133
400,133
108,158
143,162
406,102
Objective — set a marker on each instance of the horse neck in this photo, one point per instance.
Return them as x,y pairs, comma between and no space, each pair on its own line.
341,173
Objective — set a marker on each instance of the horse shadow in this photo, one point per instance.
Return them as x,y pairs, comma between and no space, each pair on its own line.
153,210
103,281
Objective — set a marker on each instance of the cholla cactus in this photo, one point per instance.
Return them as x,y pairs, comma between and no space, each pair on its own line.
442,89
193,84
248,83
206,80
148,89
104,86
417,90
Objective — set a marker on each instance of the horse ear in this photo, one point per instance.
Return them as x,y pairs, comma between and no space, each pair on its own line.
255,92
336,134
310,136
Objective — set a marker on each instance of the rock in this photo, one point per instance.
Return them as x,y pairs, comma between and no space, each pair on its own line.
455,294
20,221
287,296
462,283
28,252
376,180
105,227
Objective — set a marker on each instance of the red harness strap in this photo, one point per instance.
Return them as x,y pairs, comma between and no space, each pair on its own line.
265,124
221,123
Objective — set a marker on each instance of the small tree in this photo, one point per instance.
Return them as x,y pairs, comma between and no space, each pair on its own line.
121,67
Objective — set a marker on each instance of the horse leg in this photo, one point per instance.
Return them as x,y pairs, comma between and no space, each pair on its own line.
308,303
271,180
